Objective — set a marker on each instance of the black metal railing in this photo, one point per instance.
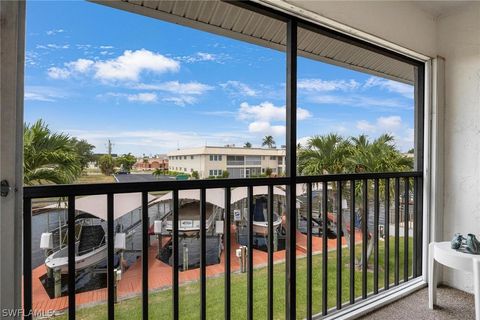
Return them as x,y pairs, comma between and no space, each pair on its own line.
362,190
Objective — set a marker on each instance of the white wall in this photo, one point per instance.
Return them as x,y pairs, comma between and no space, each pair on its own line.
459,43
400,22
456,37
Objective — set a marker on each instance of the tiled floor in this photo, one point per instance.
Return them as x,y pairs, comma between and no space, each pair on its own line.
452,304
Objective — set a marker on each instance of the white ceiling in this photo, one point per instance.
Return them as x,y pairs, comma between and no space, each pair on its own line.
439,9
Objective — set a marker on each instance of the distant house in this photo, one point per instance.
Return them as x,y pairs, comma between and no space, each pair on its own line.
151,163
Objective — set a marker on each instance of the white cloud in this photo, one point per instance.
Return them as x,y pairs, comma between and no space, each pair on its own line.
382,124
126,67
303,140
391,86
365,126
327,85
266,111
80,65
58,73
41,93
204,56
264,127
156,141
143,97
360,101
181,100
391,123
131,64
54,32
52,46
262,116
239,88
188,88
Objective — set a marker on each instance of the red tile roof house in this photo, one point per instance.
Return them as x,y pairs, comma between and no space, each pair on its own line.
151,164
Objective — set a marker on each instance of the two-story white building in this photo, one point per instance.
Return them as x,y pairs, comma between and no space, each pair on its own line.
239,162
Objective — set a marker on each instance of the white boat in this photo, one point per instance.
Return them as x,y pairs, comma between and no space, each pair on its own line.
90,244
260,217
59,259
261,227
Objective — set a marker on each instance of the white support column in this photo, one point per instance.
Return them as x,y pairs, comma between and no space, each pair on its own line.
433,227
437,149
12,52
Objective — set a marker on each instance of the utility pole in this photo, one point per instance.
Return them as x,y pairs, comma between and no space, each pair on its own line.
109,147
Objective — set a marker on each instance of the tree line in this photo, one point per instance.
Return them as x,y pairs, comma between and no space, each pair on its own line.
58,158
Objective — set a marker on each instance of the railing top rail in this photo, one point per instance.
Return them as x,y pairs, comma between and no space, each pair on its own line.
45,191
357,176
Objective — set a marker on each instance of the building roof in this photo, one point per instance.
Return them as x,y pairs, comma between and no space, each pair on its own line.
217,197
96,205
228,151
230,20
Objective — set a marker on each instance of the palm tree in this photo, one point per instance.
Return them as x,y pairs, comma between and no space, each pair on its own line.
247,145
48,157
381,155
332,154
324,155
268,141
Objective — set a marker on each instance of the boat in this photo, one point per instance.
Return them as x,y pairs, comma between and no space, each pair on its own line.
260,218
90,250
189,228
189,213
239,200
90,235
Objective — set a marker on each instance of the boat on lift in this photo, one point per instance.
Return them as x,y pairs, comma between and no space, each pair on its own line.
90,235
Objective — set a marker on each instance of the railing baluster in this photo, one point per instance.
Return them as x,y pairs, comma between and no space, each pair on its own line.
309,251
203,256
352,241
324,247
364,237
405,231
71,257
397,230
145,237
419,214
415,228
27,258
339,245
227,253
176,249
387,234
398,216
250,255
376,208
110,259
270,252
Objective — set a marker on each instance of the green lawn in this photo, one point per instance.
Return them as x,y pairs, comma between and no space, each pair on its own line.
160,303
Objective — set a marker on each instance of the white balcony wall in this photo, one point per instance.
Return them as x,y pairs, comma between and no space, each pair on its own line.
459,43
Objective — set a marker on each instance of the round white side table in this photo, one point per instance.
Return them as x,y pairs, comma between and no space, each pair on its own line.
441,252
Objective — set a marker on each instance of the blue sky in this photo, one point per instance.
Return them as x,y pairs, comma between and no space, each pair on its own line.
151,86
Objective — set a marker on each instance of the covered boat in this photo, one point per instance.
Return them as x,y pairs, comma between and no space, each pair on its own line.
90,239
